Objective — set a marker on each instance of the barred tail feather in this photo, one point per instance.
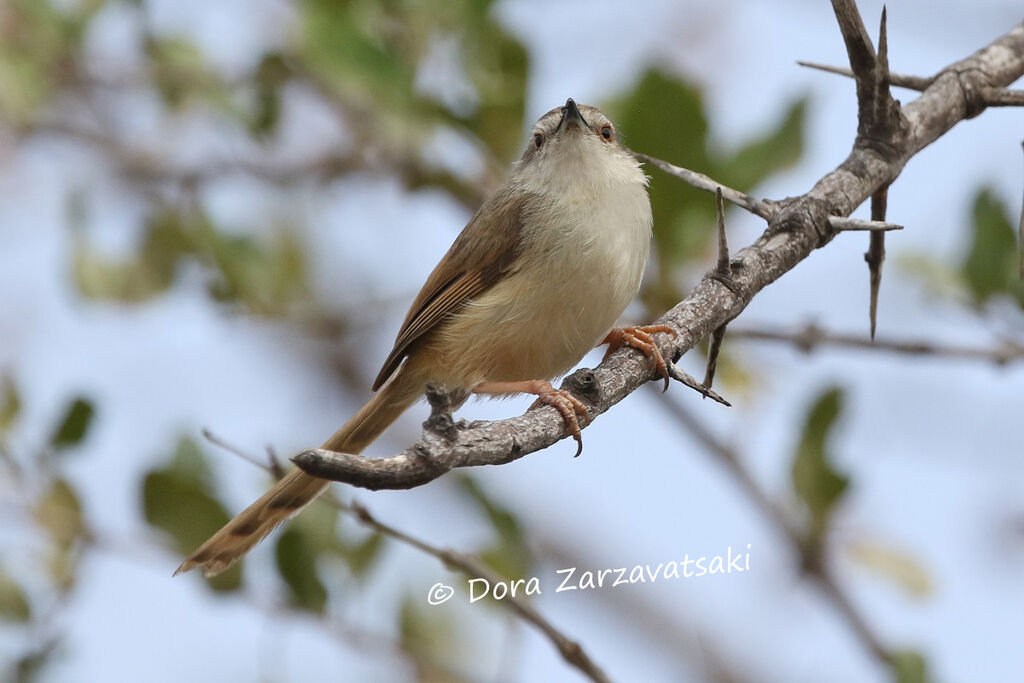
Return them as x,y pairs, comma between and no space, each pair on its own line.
298,489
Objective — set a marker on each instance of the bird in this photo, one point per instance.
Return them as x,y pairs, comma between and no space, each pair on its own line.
536,279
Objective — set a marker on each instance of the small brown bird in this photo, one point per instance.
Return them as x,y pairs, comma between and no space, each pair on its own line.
536,279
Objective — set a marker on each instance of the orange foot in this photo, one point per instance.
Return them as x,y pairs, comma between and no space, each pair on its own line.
566,404
640,339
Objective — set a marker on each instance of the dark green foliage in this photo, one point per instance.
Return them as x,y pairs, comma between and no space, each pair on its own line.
74,425
992,264
179,500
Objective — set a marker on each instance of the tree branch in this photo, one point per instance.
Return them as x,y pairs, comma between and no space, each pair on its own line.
811,337
797,226
469,565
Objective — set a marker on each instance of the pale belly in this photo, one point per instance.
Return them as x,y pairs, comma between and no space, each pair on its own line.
562,301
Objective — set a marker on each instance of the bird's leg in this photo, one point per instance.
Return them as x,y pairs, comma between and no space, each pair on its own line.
566,404
640,339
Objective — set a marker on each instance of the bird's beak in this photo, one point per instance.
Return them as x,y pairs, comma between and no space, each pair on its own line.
571,116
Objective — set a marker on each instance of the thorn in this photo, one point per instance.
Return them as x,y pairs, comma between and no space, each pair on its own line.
714,347
841,224
723,243
689,381
876,253
882,96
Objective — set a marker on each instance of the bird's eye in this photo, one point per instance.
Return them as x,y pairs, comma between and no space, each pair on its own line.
538,140
606,132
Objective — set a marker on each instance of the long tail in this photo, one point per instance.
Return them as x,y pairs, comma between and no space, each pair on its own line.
298,489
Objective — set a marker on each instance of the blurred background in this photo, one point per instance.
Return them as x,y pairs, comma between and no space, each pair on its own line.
214,214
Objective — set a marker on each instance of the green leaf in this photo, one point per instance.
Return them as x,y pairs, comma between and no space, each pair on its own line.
169,236
180,72
267,279
777,150
426,631
178,499
498,67
60,512
14,606
509,554
362,555
74,424
271,76
10,403
815,481
909,667
991,266
296,562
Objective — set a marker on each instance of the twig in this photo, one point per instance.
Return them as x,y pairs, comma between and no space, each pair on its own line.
570,649
759,207
859,224
917,83
992,97
810,337
703,182
812,560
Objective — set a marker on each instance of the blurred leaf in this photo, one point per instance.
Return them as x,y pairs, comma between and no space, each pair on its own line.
62,563
178,499
909,667
498,66
271,76
14,606
180,72
32,664
778,149
38,43
352,47
427,632
815,481
60,512
509,555
296,562
664,116
266,279
362,555
991,267
321,534
895,565
10,403
940,279
73,425
169,235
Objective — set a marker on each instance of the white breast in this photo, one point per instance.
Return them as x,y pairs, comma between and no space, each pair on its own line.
585,245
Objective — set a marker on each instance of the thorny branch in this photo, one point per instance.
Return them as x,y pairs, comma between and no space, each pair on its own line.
571,651
796,227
